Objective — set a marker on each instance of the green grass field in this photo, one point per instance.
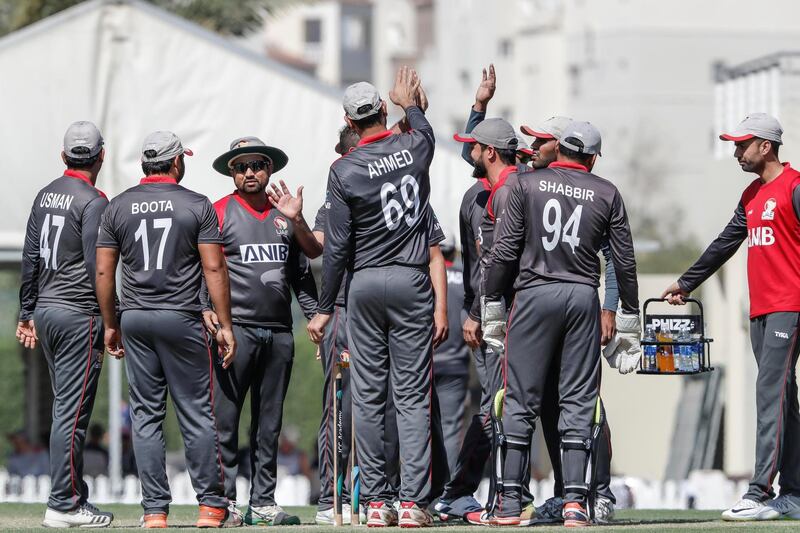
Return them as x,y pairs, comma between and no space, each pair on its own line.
27,517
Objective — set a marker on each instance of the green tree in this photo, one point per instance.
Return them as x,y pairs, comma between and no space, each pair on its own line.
227,17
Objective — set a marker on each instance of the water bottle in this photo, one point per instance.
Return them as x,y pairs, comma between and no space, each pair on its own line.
697,348
650,350
683,361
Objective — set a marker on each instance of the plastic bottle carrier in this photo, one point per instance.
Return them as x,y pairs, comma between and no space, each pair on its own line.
694,324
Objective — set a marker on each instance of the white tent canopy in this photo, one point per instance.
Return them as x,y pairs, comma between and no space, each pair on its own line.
133,68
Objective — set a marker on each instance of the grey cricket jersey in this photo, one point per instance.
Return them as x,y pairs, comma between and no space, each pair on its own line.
157,227
378,198
58,257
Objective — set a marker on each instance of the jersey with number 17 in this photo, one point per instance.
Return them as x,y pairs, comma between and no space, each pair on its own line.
157,227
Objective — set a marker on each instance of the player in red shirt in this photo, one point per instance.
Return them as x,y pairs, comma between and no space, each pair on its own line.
768,216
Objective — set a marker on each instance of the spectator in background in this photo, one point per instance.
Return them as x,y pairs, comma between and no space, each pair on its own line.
27,459
291,460
95,455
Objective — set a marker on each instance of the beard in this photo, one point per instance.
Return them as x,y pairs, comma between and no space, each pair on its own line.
479,171
252,186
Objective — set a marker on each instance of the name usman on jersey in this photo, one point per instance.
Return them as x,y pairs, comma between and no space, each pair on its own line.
264,253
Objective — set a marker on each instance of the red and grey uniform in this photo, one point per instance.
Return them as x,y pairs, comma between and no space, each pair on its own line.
555,222
378,229
57,292
157,227
264,264
334,344
768,216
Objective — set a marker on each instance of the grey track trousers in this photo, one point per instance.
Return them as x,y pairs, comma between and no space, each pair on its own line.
477,445
452,390
263,366
550,415
170,351
774,340
390,329
72,343
554,324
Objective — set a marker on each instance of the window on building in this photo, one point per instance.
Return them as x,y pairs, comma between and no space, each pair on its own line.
505,47
313,31
355,32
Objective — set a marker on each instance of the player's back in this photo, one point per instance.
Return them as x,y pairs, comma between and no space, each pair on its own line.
157,226
62,212
568,213
386,185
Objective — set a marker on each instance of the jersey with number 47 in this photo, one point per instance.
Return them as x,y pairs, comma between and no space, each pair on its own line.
378,213
58,258
553,226
157,227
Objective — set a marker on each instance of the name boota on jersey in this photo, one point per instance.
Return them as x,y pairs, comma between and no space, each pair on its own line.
773,244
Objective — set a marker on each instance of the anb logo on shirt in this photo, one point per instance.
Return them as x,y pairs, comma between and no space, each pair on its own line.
281,226
264,253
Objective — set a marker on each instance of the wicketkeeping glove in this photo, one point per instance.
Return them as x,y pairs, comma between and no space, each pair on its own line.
624,352
493,324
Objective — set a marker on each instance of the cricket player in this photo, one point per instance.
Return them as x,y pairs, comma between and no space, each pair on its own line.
58,308
767,216
169,238
546,138
551,231
264,238
334,349
378,227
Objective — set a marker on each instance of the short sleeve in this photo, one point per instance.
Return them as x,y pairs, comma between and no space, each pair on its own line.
209,225
107,235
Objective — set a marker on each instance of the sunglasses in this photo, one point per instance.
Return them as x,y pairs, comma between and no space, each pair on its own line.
255,166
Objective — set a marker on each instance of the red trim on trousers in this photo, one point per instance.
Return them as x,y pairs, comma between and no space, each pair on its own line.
78,414
211,398
332,364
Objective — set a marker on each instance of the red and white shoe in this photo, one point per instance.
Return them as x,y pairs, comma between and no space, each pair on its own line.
379,514
575,515
412,516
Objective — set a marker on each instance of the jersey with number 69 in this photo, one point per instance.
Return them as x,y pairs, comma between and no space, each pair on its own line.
157,227
554,224
58,259
378,212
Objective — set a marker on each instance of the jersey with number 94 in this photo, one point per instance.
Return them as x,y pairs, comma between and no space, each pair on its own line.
379,214
157,227
554,223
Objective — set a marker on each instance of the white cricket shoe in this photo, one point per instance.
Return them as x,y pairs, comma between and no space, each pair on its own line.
603,510
745,509
87,515
235,516
411,515
785,506
380,514
325,518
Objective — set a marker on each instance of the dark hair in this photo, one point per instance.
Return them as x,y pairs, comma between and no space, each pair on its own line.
506,155
569,153
159,167
369,121
81,163
348,139
775,147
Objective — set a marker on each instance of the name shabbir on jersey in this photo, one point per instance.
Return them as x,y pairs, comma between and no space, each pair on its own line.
264,253
55,200
567,190
385,164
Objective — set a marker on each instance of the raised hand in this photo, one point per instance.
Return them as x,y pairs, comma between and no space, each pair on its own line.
281,198
485,90
406,87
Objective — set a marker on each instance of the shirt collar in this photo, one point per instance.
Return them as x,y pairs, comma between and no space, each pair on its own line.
156,178
568,164
78,175
376,137
501,179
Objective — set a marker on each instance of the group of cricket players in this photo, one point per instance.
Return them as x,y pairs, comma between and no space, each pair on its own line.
201,310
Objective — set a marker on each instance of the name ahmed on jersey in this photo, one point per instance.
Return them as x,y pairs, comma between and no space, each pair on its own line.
385,164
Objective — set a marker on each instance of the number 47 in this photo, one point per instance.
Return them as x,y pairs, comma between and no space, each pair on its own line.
570,232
